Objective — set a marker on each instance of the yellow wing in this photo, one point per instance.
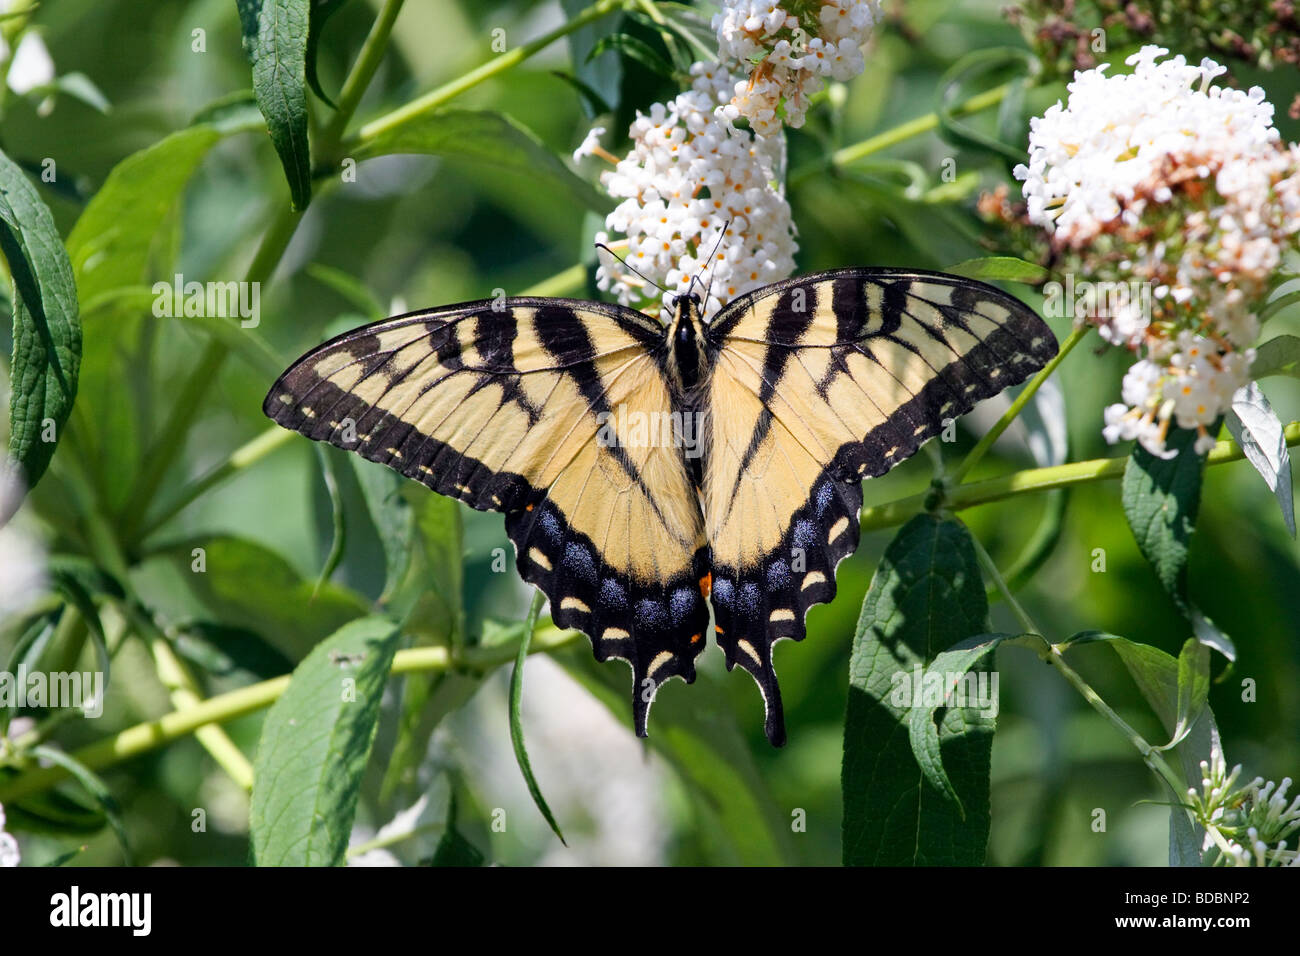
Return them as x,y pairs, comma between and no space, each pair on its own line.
817,383
523,406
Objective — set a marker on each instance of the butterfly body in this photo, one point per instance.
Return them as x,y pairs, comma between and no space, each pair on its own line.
651,472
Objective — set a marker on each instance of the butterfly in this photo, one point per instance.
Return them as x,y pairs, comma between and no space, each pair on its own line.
648,470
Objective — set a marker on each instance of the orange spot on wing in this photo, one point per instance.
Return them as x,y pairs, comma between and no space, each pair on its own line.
528,507
706,584
696,638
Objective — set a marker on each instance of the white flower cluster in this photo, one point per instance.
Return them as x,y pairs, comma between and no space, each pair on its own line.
9,855
787,51
690,175
1188,188
1247,826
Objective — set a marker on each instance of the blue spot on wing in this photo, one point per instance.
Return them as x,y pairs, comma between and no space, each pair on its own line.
722,592
612,594
778,576
681,604
650,614
580,562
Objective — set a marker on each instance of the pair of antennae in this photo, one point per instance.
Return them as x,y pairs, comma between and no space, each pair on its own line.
695,278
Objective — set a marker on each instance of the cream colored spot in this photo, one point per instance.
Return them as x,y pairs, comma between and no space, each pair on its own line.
811,578
308,412
286,398
995,373
539,559
892,452
395,453
781,614
662,658
748,648
614,634
426,469
573,604
918,429
837,529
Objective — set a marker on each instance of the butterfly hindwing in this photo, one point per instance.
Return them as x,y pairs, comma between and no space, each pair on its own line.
817,383
520,406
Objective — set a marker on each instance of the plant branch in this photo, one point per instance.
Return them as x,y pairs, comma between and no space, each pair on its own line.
504,61
161,731
1032,480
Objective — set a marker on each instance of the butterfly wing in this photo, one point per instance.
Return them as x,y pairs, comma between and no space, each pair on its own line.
516,405
817,383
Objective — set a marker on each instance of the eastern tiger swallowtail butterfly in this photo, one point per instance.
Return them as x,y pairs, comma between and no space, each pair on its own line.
646,470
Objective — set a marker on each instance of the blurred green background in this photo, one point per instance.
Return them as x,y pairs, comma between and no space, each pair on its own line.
421,231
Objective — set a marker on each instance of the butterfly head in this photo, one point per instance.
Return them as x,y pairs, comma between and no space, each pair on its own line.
686,338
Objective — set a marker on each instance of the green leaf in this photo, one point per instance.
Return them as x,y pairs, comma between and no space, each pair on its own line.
483,137
246,585
393,518
1000,268
1277,356
321,11
634,49
46,328
603,75
275,34
314,747
1193,689
1161,497
94,786
424,548
517,719
109,246
941,686
952,90
1256,428
454,850
235,112
78,86
329,463
926,596
1157,677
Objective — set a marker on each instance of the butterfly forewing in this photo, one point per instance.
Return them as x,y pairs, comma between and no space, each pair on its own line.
817,383
523,406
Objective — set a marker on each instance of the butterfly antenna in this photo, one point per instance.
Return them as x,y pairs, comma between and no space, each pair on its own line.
709,288
601,245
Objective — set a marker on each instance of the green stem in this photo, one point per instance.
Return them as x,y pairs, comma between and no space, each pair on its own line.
901,133
1032,480
504,61
379,842
161,731
991,570
1016,407
363,71
1154,759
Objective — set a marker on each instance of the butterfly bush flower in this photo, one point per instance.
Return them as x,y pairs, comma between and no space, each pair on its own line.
1162,180
1250,825
787,51
689,175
